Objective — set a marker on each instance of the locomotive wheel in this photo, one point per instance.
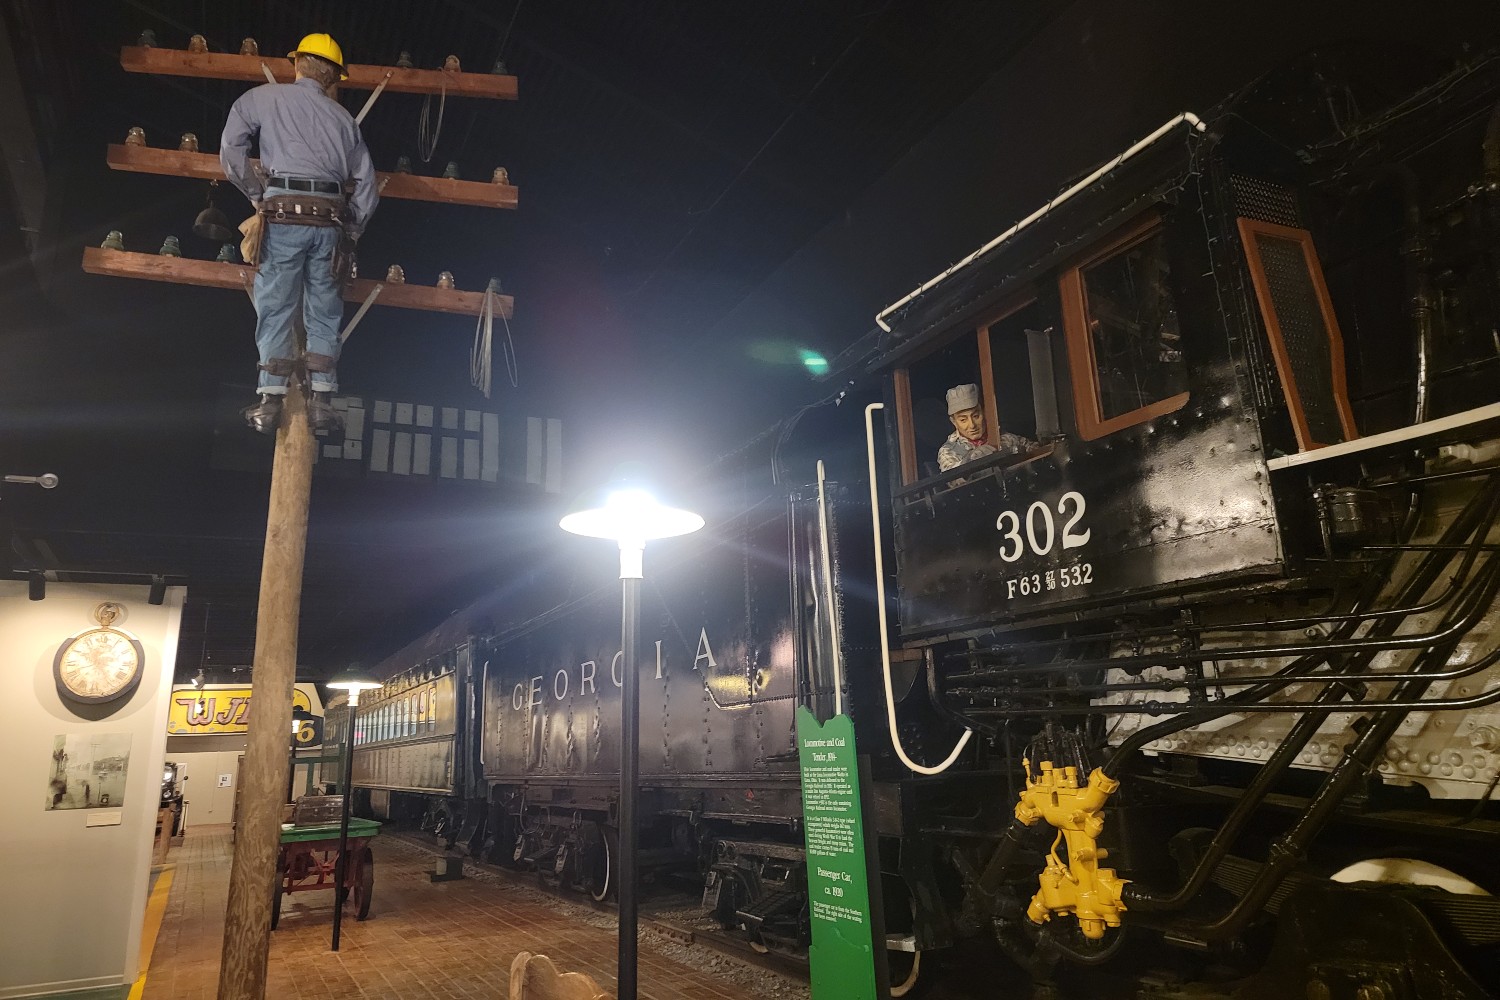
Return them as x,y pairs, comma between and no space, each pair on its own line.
901,916
906,967
364,887
599,862
503,851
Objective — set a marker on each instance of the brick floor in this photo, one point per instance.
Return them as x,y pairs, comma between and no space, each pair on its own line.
423,939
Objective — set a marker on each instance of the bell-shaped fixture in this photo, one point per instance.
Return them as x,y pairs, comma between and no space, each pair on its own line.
136,136
170,248
499,68
403,164
197,44
147,39
249,47
500,176
394,275
188,143
114,240
403,61
228,254
212,224
451,171
452,65
445,279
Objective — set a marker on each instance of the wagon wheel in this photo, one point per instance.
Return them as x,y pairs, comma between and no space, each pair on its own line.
276,895
364,885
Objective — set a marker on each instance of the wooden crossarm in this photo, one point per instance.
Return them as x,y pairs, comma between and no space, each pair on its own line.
205,166
232,66
214,274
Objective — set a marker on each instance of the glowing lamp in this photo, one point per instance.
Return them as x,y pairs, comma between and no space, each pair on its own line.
626,511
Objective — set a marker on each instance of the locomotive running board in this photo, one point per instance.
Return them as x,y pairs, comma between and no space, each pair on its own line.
1400,435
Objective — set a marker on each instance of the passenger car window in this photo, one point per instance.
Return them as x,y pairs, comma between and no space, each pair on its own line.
1124,345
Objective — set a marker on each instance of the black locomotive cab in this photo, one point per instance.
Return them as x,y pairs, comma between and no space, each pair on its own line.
1193,481
1147,355
1129,460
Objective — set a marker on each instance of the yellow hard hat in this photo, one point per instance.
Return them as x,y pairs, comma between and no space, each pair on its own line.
324,47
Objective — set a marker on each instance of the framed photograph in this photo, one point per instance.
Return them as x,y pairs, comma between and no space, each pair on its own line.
88,771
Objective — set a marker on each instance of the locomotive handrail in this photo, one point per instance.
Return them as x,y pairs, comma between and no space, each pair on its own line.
1414,640
1483,594
885,640
1187,117
823,543
990,466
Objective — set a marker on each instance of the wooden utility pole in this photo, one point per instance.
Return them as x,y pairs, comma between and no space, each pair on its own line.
263,776
247,924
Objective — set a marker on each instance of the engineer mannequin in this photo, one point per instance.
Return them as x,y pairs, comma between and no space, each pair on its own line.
969,440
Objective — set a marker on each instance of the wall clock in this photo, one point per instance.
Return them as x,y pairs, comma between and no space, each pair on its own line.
99,665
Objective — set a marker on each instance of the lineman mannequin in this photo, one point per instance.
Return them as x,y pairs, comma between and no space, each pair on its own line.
969,440
309,147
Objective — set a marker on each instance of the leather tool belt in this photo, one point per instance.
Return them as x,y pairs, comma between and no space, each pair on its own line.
333,188
312,210
302,210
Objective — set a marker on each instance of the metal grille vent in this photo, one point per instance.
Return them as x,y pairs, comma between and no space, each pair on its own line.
1264,201
1303,331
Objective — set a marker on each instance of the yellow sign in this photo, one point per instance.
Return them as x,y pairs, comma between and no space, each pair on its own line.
217,711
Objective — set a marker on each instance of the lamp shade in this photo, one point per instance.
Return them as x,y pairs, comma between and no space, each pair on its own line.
353,679
212,224
626,509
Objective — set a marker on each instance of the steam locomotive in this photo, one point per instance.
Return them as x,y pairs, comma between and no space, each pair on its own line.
1198,689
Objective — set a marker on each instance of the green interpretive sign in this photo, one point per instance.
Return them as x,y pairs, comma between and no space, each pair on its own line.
842,957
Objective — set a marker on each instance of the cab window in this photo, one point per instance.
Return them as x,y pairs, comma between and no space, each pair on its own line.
992,356
1124,345
929,380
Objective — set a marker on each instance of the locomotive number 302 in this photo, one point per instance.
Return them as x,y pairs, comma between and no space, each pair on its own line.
1041,529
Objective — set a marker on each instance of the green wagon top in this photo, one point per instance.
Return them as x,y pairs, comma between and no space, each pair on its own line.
329,831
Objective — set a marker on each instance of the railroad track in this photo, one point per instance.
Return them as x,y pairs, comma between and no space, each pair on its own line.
663,914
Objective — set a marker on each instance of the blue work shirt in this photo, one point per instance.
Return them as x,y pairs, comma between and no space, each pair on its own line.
303,133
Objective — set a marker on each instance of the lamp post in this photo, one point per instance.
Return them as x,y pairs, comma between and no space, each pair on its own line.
353,681
625,511
299,716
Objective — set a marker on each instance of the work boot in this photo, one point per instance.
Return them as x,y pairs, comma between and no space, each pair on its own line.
321,414
265,414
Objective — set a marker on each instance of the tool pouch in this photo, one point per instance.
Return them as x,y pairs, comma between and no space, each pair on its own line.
302,210
253,229
343,259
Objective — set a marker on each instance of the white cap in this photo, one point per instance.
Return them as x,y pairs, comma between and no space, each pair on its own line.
962,397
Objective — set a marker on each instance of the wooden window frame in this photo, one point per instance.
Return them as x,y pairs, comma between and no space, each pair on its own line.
1082,363
906,429
1249,229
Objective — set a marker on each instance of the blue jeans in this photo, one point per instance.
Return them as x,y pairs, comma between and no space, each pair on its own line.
297,262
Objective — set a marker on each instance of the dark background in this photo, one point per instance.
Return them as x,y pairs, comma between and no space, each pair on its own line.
710,193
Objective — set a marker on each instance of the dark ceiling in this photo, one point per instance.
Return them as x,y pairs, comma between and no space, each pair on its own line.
670,156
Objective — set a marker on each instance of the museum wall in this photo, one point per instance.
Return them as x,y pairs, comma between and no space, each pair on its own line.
75,889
